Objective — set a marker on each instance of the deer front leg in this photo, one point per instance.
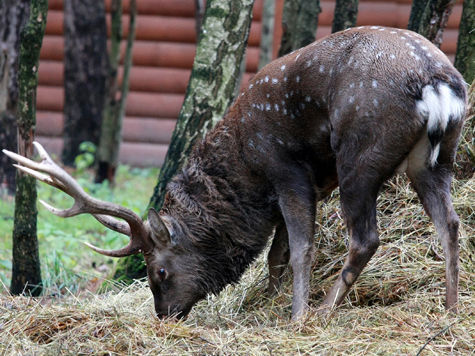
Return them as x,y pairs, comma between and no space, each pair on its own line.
297,204
278,258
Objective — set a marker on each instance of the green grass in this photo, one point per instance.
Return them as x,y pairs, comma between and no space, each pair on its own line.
66,264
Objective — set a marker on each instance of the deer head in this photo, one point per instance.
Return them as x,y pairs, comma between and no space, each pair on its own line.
174,292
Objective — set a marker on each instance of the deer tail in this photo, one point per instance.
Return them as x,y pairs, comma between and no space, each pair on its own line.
440,105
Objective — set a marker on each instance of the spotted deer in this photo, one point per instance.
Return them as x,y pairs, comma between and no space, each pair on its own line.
349,110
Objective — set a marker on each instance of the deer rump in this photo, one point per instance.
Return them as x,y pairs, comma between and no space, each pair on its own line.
349,110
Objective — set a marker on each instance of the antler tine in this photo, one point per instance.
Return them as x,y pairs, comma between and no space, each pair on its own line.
42,152
64,213
128,250
113,224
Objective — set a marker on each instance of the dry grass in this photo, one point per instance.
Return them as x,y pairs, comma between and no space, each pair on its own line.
395,308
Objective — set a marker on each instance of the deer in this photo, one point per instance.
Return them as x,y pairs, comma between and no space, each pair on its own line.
349,110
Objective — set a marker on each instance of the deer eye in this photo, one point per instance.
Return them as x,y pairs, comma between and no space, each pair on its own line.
162,274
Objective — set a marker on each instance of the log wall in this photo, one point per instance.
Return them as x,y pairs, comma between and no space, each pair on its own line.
163,55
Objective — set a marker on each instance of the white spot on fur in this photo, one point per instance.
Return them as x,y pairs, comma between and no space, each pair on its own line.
374,83
322,68
250,86
361,84
374,27
268,107
275,80
298,55
392,56
276,107
393,32
284,110
282,67
375,102
285,79
415,56
351,99
308,99
352,85
357,107
268,95
309,63
297,79
266,78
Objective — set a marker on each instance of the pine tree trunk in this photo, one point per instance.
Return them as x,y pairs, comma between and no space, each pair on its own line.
417,10
211,89
85,72
299,24
346,12
26,272
13,16
267,33
114,110
434,19
465,56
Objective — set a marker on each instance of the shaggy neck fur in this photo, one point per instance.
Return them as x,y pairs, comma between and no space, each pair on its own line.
222,213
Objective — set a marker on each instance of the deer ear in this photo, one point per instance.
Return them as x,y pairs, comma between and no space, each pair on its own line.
160,234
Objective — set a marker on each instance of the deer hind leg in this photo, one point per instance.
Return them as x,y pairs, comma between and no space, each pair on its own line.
433,189
358,201
278,258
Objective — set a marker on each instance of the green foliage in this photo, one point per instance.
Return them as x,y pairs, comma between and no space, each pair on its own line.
66,264
85,159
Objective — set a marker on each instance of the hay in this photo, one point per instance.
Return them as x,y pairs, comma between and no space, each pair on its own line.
396,306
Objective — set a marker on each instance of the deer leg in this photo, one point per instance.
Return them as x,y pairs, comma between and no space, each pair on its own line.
278,258
358,202
433,188
297,204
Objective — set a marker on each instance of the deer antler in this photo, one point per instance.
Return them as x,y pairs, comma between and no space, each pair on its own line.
105,212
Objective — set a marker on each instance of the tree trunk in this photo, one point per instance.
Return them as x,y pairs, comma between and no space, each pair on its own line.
465,161
299,24
267,33
13,16
434,19
417,10
465,56
346,12
465,63
114,110
217,65
26,272
212,83
199,12
85,72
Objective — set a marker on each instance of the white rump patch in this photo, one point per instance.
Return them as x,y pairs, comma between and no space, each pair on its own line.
438,108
